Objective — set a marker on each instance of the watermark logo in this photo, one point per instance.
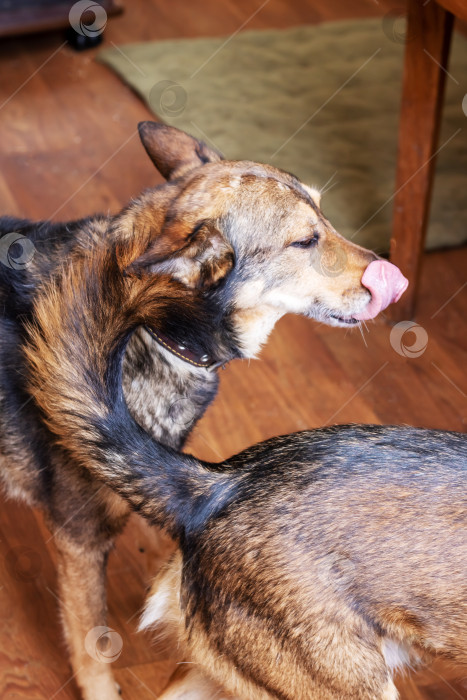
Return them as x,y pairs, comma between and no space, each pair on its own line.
23,563
182,411
88,18
409,339
16,251
103,644
336,570
168,98
331,260
395,26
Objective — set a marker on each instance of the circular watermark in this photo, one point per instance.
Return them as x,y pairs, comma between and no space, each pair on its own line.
182,411
103,644
409,339
331,260
23,563
335,569
88,18
16,251
395,26
168,98
464,105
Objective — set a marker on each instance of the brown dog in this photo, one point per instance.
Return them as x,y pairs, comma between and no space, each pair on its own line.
308,567
238,244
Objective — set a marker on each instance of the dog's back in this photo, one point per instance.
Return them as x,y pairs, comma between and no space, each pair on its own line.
342,554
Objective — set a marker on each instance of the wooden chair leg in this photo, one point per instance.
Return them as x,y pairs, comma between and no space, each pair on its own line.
429,32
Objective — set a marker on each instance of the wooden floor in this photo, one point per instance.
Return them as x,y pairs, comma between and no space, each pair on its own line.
68,148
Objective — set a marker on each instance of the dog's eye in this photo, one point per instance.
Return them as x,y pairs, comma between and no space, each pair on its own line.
308,242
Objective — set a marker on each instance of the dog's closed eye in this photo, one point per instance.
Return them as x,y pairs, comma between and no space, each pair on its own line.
307,242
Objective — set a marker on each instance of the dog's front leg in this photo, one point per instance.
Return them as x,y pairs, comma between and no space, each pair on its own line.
81,580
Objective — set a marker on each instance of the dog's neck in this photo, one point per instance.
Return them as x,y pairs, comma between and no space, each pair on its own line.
242,336
254,327
199,341
195,359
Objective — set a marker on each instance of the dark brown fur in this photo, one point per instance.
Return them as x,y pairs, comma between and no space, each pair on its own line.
232,247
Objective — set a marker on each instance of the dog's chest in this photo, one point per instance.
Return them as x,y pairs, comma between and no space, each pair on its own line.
165,397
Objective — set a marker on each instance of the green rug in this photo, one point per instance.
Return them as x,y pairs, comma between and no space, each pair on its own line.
320,101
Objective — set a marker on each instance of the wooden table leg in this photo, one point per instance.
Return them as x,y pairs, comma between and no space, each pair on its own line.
429,32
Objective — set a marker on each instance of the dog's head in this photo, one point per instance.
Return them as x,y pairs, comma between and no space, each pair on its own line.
250,235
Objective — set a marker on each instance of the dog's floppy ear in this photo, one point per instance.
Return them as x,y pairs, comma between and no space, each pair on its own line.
199,259
174,152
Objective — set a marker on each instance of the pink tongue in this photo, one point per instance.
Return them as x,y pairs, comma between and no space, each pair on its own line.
386,283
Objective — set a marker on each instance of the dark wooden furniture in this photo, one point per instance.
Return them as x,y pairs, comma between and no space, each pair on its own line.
429,33
30,16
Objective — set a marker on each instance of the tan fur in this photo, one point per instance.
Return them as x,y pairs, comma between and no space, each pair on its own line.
80,607
283,279
164,616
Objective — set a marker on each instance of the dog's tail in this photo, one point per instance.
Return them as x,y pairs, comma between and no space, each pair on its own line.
82,323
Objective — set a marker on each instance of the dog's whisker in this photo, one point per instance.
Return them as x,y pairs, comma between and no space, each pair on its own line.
362,334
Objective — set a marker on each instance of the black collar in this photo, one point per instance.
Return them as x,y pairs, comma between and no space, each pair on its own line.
184,353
